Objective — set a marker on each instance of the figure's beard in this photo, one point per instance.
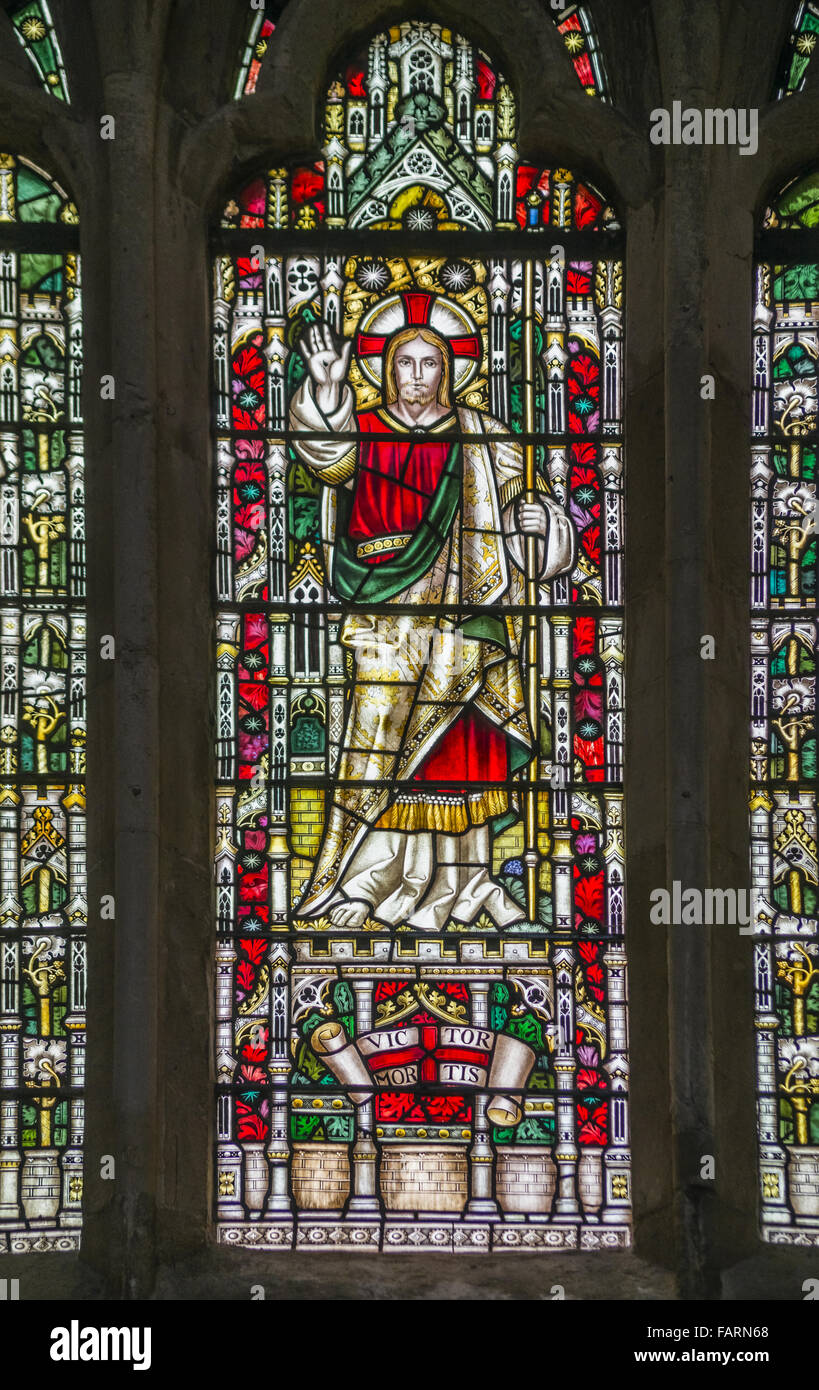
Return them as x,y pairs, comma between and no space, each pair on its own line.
417,393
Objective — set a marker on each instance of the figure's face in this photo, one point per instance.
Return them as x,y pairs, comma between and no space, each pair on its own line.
418,370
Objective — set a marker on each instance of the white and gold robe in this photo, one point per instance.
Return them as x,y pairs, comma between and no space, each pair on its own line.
416,859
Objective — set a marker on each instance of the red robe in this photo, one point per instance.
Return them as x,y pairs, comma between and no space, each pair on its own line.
395,479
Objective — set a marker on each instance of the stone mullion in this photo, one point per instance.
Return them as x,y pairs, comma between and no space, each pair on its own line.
130,232
687,445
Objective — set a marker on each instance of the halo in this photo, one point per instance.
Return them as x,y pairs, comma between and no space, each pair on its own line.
417,308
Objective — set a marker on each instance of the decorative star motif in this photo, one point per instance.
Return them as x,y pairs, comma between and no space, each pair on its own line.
457,276
420,220
372,275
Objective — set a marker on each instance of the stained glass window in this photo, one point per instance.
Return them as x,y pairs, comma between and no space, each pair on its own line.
783,729
42,759
577,31
421,1003
260,30
573,22
34,28
798,50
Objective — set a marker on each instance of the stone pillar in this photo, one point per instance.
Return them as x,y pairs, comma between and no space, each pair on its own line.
128,226
687,731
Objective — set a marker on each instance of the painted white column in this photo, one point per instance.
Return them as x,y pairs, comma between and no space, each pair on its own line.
482,1205
364,1204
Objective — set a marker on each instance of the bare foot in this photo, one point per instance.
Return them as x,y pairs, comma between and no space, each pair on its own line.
350,914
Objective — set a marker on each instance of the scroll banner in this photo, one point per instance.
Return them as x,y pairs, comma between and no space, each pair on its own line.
449,1054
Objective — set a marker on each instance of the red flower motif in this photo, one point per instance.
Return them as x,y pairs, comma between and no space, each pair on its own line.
245,974
255,629
249,1126
587,206
355,82
486,80
252,197
252,1074
586,370
591,1124
307,184
590,541
585,453
577,282
243,543
393,1105
248,468
584,634
253,695
250,515
588,896
254,887
253,947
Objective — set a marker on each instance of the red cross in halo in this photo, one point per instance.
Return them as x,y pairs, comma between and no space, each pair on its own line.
417,309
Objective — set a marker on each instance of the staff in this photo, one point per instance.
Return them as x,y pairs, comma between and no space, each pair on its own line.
531,857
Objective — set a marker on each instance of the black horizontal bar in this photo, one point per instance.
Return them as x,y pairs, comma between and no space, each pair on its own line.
350,437
271,608
794,247
483,246
437,1088
39,236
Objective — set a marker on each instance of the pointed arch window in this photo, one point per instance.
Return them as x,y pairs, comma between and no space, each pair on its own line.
798,50
574,24
783,697
43,908
421,1031
36,31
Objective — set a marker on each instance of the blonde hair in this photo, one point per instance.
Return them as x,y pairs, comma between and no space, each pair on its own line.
398,340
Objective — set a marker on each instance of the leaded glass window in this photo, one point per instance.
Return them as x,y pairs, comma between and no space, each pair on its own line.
417,345
35,29
574,24
783,695
42,759
799,49
261,28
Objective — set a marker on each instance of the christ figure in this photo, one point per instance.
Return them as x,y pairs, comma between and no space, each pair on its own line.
425,521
